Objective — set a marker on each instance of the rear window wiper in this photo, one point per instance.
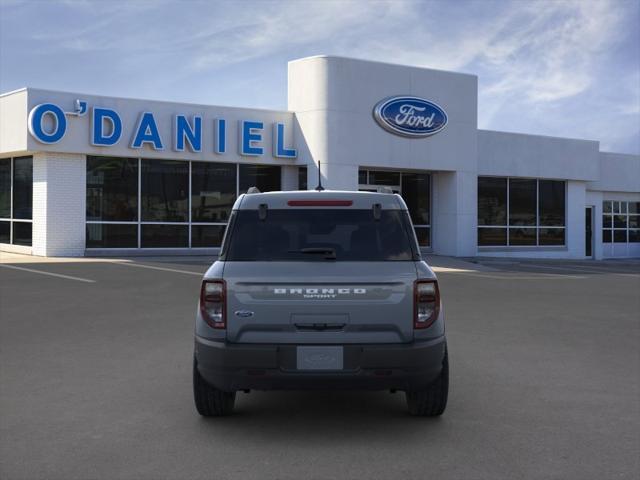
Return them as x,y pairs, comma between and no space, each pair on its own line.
329,253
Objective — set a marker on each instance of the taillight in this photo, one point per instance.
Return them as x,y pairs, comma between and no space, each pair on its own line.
320,203
212,303
426,303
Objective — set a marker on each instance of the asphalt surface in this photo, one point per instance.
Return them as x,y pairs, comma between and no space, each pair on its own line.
95,383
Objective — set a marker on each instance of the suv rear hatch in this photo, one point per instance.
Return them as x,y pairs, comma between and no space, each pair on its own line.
320,276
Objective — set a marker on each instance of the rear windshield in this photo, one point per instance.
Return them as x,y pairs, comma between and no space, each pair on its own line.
320,235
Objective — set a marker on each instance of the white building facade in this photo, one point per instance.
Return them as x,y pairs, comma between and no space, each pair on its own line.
94,175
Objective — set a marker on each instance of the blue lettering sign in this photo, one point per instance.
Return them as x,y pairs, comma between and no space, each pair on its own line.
98,119
48,123
184,131
36,117
278,143
147,132
250,133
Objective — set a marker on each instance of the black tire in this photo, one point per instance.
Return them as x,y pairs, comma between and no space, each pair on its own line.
210,402
432,401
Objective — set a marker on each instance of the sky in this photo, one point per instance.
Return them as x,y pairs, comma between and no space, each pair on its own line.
555,67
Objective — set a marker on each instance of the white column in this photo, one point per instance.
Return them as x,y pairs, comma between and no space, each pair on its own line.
575,221
335,176
289,178
595,199
59,204
454,213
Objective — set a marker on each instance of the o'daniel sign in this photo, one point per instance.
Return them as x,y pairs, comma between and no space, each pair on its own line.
410,116
48,123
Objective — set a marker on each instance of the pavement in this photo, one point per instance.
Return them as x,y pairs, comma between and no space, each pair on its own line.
95,381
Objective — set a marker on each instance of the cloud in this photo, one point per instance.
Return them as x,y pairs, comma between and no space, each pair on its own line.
549,54
279,26
535,60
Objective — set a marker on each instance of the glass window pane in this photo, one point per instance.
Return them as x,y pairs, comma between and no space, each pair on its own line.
623,207
5,188
302,178
606,206
620,221
492,236
423,235
634,221
634,236
22,233
416,194
112,189
265,177
352,234
620,236
362,177
551,200
165,191
606,236
111,235
5,227
213,191
522,236
380,177
522,202
551,236
634,207
616,207
492,201
207,235
606,221
23,189
165,236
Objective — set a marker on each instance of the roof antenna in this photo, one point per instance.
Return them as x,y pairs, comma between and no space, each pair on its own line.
319,188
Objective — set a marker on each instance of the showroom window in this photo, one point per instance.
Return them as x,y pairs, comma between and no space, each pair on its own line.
302,178
620,222
213,192
164,204
142,203
415,189
16,200
521,212
112,202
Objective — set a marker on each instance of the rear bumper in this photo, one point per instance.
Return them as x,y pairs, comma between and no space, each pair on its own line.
232,367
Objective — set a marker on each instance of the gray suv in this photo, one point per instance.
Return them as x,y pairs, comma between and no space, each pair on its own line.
320,290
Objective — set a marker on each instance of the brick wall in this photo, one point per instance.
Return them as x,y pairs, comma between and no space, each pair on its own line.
59,196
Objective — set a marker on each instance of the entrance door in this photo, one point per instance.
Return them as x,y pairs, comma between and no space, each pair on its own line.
588,233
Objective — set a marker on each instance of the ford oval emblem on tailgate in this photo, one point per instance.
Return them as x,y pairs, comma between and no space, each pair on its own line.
244,313
410,116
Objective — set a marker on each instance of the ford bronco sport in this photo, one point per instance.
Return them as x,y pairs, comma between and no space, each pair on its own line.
320,290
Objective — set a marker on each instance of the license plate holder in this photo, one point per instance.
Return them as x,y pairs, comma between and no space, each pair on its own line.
317,358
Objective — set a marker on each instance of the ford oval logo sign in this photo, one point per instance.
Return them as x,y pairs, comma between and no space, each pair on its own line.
410,116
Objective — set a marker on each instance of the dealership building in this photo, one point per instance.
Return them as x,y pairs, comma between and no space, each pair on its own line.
94,175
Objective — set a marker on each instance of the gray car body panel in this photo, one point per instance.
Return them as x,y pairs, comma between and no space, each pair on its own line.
290,303
363,302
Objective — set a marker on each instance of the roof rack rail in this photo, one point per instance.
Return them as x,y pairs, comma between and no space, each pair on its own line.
253,190
384,190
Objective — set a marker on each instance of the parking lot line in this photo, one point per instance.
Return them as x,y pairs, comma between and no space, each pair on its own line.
51,274
534,276
579,268
165,269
